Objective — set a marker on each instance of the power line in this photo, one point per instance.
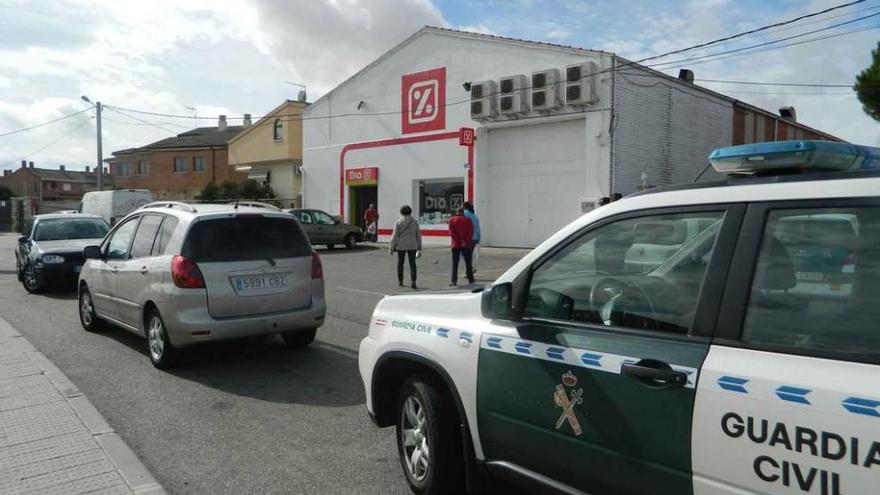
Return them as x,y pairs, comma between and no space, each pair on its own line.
735,50
619,68
802,42
43,124
752,31
52,143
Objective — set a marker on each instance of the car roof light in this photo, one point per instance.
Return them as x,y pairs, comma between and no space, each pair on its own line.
794,156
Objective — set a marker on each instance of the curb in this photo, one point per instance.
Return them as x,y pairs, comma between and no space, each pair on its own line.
130,468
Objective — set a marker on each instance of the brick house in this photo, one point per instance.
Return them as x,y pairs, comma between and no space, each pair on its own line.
178,167
49,184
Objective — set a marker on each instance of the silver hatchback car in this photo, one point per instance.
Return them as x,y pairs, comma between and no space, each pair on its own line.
181,274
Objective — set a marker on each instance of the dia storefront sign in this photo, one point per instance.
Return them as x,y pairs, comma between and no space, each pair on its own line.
367,176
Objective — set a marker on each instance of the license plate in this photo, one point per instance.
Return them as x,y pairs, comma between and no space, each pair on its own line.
260,284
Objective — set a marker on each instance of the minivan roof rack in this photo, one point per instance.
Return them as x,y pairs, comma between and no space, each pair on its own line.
255,204
171,204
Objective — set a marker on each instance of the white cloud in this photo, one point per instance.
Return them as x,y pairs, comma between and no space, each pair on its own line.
478,28
324,42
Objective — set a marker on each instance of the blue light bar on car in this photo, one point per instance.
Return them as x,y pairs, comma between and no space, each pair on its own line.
788,156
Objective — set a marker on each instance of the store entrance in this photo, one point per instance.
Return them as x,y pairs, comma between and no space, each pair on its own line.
361,199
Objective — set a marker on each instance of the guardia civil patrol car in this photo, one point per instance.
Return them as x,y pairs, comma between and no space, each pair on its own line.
715,338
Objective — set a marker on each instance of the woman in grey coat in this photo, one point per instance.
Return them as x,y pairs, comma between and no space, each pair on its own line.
407,241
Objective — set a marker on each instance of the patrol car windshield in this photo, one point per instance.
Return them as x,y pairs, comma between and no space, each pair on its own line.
57,229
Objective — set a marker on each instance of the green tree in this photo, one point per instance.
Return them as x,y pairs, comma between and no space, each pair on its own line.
250,189
229,190
868,86
210,192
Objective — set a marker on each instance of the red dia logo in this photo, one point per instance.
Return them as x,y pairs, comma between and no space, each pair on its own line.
423,101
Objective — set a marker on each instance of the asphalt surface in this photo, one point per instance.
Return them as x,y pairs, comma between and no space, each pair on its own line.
246,416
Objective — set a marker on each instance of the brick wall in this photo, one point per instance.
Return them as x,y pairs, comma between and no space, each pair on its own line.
165,183
665,129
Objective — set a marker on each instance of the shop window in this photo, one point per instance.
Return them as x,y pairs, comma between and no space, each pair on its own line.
278,130
438,200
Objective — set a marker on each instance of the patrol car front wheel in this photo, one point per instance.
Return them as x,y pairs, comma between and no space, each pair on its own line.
428,440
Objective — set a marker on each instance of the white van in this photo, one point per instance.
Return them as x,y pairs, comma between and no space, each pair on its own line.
114,205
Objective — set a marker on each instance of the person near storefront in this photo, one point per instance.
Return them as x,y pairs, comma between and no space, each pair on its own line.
406,240
461,232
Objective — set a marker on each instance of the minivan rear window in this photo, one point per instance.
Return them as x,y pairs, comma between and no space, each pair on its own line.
244,238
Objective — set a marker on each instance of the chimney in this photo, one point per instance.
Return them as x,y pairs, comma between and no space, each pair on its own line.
301,96
247,120
788,113
24,164
30,164
61,168
221,123
686,75
87,168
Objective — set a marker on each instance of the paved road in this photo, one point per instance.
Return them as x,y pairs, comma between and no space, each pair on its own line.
247,416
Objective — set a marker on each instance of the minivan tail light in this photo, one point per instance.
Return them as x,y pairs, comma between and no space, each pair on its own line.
317,269
186,273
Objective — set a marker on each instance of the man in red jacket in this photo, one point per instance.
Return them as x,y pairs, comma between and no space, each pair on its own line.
461,231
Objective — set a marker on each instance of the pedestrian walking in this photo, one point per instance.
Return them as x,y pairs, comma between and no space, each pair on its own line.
461,232
371,222
406,240
472,215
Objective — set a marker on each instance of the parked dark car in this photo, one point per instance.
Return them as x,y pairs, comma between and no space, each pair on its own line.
51,249
323,228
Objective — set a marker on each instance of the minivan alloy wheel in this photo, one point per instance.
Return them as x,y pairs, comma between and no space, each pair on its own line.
415,438
156,338
86,309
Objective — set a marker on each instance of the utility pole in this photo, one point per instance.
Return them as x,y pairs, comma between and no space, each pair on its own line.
99,170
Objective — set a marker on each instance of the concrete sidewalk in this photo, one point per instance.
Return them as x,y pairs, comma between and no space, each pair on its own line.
52,440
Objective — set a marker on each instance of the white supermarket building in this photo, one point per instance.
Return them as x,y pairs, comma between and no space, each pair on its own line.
534,134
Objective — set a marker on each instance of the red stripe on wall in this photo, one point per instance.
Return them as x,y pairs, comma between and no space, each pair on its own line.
425,233
394,142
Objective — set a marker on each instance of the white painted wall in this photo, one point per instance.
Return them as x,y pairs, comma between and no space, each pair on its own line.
466,59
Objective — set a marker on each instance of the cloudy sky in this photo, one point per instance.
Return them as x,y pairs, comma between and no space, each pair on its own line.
210,57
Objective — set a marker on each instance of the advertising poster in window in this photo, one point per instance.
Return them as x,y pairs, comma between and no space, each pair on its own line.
438,200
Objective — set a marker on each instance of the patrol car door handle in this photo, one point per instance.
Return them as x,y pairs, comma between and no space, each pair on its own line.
660,375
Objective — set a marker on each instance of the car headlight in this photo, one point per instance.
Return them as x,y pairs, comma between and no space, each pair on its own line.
50,259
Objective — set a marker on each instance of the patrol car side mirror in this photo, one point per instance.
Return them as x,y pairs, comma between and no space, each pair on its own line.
497,302
23,239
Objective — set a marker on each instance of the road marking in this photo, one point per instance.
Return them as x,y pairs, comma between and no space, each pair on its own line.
352,289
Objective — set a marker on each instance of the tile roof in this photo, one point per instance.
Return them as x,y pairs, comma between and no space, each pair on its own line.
201,137
62,175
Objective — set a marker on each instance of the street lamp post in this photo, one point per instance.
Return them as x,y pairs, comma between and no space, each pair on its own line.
99,170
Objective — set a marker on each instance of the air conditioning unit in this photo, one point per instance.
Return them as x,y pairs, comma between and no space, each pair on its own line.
513,98
484,100
545,90
580,83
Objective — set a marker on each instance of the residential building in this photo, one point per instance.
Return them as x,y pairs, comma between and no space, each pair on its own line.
270,151
46,184
178,167
534,134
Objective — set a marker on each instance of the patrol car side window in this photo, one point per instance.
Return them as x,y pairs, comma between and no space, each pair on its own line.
816,285
644,273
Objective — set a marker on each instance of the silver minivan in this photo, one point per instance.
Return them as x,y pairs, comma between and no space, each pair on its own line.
181,274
